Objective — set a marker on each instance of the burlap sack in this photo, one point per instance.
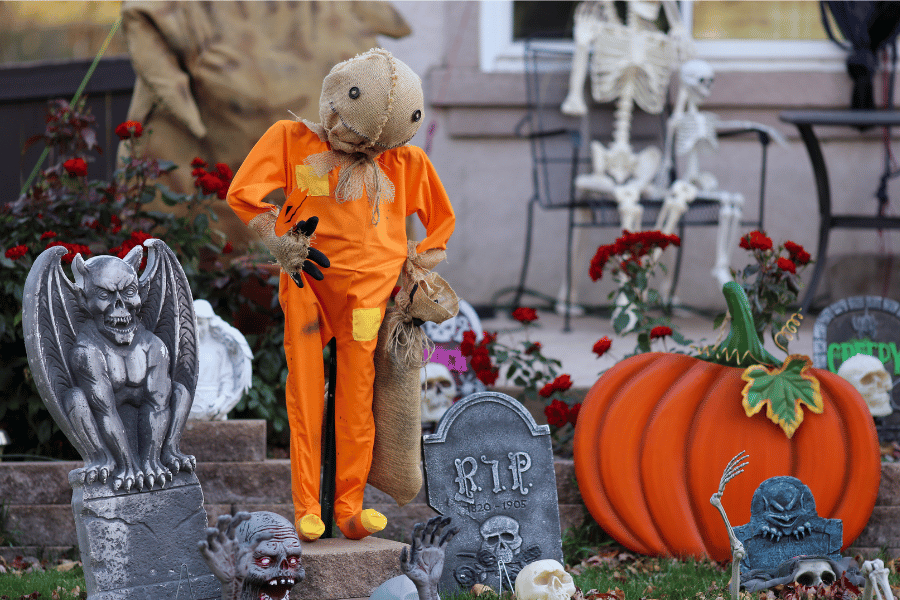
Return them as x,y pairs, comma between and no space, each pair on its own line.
397,407
401,351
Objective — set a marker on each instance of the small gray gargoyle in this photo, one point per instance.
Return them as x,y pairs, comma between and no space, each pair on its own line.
787,541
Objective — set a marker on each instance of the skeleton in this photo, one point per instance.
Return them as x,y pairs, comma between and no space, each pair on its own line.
225,365
256,556
438,391
544,580
868,375
688,132
115,360
783,507
631,63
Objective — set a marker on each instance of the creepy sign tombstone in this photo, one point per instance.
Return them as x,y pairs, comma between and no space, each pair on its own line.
867,325
490,467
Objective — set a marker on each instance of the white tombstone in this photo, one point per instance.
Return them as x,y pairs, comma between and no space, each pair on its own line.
225,365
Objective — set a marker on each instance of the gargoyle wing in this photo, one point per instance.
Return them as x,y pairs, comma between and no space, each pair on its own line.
167,309
51,316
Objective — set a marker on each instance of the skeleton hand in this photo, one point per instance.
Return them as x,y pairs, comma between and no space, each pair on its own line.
876,579
228,559
425,560
292,250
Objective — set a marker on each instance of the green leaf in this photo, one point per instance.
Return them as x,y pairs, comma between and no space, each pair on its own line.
782,390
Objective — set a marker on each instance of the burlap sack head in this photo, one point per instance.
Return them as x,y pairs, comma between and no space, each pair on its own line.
371,103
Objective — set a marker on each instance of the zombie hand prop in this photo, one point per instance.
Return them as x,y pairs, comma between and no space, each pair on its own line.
424,562
292,250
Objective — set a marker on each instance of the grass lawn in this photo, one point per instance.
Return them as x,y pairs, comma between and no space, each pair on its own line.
604,573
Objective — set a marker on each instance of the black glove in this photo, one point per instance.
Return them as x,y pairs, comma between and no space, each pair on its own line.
307,228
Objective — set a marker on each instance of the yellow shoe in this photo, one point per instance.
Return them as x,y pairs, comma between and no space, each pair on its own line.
310,527
364,524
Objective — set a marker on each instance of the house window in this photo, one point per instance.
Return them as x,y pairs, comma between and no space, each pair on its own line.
731,36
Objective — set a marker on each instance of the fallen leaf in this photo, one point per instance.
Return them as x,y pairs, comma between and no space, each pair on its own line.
67,566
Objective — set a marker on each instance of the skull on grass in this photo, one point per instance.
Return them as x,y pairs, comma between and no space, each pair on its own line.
275,565
814,573
544,580
438,391
868,375
501,537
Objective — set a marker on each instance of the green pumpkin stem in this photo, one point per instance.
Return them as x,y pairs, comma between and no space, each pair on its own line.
742,347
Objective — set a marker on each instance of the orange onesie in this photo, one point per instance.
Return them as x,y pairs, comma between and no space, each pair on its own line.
348,304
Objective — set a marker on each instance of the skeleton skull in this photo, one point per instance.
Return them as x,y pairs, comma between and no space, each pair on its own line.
438,391
868,375
110,292
544,580
501,537
275,565
697,76
814,573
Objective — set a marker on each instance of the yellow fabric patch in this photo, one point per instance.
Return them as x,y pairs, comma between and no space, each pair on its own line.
366,322
308,180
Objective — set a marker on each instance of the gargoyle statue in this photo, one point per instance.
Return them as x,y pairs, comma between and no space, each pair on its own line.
114,358
256,556
784,523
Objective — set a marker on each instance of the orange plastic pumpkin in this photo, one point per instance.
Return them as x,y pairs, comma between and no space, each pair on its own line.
656,431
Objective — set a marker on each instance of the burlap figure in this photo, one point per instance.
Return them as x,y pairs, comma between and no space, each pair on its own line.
402,350
212,77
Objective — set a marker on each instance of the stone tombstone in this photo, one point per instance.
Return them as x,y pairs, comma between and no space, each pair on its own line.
784,524
226,368
114,358
490,467
862,325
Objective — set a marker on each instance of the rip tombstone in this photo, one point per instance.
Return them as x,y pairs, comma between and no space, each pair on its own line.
490,467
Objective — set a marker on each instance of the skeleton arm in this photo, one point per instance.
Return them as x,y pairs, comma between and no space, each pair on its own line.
587,16
876,581
734,468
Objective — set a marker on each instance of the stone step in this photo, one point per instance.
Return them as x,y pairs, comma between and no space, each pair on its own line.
339,568
242,440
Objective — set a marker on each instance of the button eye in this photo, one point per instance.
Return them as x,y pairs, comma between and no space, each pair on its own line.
354,93
416,116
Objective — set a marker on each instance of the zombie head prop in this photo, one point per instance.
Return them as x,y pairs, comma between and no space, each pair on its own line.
109,292
544,580
868,375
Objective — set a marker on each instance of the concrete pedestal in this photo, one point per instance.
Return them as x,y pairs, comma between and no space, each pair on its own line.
338,568
143,545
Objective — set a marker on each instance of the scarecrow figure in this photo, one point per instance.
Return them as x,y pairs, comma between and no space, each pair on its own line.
355,172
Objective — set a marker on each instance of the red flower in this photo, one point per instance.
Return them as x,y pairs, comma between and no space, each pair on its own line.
660,331
228,248
224,172
488,376
129,129
602,345
756,240
467,346
16,252
525,315
395,291
557,413
198,162
209,183
488,338
137,238
73,249
48,234
535,347
798,254
786,264
115,224
76,167
560,384
573,413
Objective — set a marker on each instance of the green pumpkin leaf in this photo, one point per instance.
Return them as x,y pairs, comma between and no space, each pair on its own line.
782,390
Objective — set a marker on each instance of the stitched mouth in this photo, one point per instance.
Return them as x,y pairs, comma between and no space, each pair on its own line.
349,127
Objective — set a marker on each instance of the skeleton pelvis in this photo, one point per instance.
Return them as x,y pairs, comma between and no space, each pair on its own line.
622,165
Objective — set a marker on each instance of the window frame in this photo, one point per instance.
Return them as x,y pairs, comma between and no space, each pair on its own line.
499,53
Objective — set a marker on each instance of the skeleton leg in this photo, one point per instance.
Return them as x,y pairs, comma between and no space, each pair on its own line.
734,468
630,210
731,211
876,580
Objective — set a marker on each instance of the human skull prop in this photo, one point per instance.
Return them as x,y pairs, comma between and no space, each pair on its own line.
275,565
697,76
109,291
438,391
814,573
868,375
544,580
501,537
